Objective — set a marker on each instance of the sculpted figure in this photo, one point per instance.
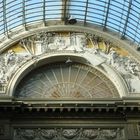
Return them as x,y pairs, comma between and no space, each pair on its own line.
112,55
10,56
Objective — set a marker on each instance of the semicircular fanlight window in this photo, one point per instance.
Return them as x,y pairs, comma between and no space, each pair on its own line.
61,81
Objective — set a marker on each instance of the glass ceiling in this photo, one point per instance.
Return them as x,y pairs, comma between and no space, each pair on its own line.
122,16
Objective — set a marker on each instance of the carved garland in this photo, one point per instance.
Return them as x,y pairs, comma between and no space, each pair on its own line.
69,134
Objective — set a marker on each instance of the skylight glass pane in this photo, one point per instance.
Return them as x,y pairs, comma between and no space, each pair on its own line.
13,15
33,10
133,20
96,11
130,34
77,10
137,37
113,25
53,9
117,14
131,28
1,18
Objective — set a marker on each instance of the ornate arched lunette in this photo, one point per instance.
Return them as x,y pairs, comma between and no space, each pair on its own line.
39,61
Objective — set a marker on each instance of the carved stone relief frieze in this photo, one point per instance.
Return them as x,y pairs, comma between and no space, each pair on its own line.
94,49
91,47
69,134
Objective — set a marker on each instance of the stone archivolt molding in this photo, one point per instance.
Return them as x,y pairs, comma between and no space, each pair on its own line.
69,134
95,50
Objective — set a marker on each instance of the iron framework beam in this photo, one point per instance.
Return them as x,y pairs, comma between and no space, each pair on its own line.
64,15
106,16
44,13
126,21
5,19
23,15
86,12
